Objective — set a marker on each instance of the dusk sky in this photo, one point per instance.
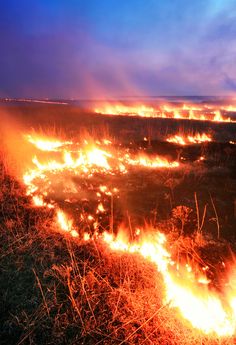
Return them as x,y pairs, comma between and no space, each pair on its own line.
114,48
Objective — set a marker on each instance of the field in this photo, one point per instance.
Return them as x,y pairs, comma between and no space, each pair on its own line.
73,266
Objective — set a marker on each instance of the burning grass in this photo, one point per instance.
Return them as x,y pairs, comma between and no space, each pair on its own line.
190,139
70,274
196,112
54,287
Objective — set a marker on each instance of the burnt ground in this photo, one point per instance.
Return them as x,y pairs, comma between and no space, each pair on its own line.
57,291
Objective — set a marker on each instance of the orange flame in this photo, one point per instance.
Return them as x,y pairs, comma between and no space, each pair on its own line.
190,139
46,144
203,308
65,223
185,288
185,112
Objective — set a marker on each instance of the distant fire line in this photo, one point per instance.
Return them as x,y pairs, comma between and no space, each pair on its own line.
203,113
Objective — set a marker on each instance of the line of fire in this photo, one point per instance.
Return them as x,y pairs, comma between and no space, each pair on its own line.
155,183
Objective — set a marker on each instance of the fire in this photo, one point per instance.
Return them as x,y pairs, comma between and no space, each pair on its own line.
120,109
199,138
65,223
87,159
100,208
229,108
184,112
190,139
38,201
99,158
186,288
177,139
205,309
46,144
154,162
83,160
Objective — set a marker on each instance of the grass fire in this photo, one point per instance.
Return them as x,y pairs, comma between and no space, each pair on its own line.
117,172
97,222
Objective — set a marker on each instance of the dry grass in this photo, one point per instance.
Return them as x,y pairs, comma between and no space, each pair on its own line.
54,290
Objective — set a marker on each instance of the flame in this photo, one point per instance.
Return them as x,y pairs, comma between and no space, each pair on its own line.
100,208
177,139
79,159
199,138
186,288
229,108
87,160
190,139
154,162
46,144
185,112
99,158
65,223
119,109
202,307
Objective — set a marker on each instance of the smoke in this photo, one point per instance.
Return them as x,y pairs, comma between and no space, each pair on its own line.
15,151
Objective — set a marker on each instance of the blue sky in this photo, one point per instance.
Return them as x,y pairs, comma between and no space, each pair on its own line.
111,48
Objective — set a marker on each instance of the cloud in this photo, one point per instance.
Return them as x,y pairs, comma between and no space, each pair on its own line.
63,50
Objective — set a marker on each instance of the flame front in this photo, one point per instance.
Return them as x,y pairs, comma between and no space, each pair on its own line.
202,307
